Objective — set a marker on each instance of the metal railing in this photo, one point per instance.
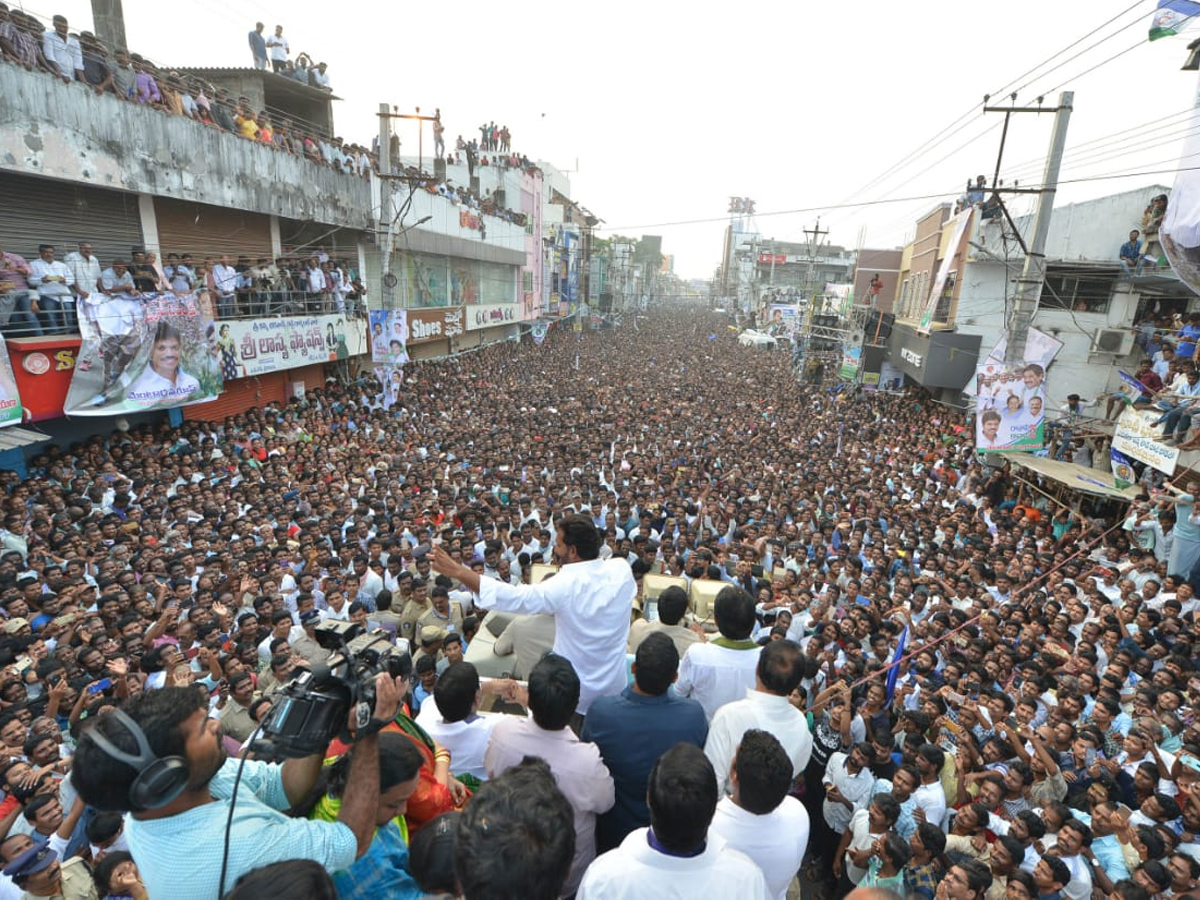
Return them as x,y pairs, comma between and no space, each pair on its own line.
25,314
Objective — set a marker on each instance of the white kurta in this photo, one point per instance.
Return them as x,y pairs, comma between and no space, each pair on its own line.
768,712
591,603
635,870
775,841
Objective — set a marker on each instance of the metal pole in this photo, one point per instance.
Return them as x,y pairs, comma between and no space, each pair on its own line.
1033,274
385,206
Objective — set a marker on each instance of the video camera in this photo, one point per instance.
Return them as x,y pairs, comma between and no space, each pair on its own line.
311,709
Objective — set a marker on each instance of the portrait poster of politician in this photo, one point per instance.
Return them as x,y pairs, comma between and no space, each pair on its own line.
164,354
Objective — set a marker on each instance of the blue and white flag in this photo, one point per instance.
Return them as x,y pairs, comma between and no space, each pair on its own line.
1122,469
1174,17
894,671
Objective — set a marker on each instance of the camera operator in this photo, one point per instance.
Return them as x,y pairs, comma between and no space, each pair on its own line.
179,812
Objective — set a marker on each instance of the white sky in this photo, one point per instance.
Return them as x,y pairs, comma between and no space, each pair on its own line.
671,108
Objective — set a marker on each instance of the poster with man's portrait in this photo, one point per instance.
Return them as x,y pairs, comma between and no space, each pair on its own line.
164,353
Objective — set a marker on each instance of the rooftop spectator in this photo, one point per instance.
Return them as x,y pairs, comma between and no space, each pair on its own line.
62,49
277,46
258,46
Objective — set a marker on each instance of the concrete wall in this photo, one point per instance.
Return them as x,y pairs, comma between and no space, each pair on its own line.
1076,370
63,131
1096,229
887,264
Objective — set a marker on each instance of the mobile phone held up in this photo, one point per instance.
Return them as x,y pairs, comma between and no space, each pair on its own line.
102,685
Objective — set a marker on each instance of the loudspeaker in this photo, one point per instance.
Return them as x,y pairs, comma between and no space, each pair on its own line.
159,779
881,321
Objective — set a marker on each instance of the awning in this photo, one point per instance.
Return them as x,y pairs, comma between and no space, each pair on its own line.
15,436
1096,482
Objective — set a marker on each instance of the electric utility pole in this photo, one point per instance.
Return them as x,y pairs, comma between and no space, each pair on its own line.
1033,273
814,236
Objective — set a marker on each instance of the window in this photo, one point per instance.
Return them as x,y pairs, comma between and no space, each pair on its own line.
903,306
526,282
1089,293
946,299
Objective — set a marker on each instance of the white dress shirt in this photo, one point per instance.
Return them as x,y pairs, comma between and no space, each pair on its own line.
85,270
591,603
65,53
769,712
855,788
715,675
225,278
43,270
150,387
635,871
775,841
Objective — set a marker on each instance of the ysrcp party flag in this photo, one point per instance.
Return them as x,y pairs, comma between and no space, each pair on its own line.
1174,17
153,351
1122,469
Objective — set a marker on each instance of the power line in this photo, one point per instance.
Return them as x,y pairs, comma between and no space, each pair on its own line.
1136,21
935,140
882,202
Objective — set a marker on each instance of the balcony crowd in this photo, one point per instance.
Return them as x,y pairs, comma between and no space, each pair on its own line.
46,293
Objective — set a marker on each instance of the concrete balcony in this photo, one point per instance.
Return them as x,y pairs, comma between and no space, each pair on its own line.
66,131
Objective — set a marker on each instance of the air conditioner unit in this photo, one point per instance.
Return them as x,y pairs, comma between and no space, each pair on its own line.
1117,341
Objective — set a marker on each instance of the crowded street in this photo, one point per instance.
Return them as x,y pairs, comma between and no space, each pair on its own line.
1045,667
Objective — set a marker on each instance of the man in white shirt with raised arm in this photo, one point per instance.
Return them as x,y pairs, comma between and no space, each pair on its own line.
589,598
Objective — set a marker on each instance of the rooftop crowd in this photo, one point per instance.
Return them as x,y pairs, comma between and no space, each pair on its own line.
1038,739
115,71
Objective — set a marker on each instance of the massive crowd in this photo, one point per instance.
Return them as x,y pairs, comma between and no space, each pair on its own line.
1036,740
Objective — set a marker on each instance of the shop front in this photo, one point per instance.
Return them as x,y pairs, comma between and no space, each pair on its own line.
942,362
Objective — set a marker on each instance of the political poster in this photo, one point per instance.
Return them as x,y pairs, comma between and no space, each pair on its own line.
785,317
155,351
1040,348
939,282
389,336
1138,438
11,411
258,346
1010,406
851,361
392,380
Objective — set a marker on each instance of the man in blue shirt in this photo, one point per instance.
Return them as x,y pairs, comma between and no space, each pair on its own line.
1188,334
178,835
1131,255
633,729
258,46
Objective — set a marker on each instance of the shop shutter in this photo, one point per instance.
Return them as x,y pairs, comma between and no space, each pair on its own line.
239,395
210,231
41,211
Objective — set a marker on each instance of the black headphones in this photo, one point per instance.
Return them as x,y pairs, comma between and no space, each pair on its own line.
159,779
